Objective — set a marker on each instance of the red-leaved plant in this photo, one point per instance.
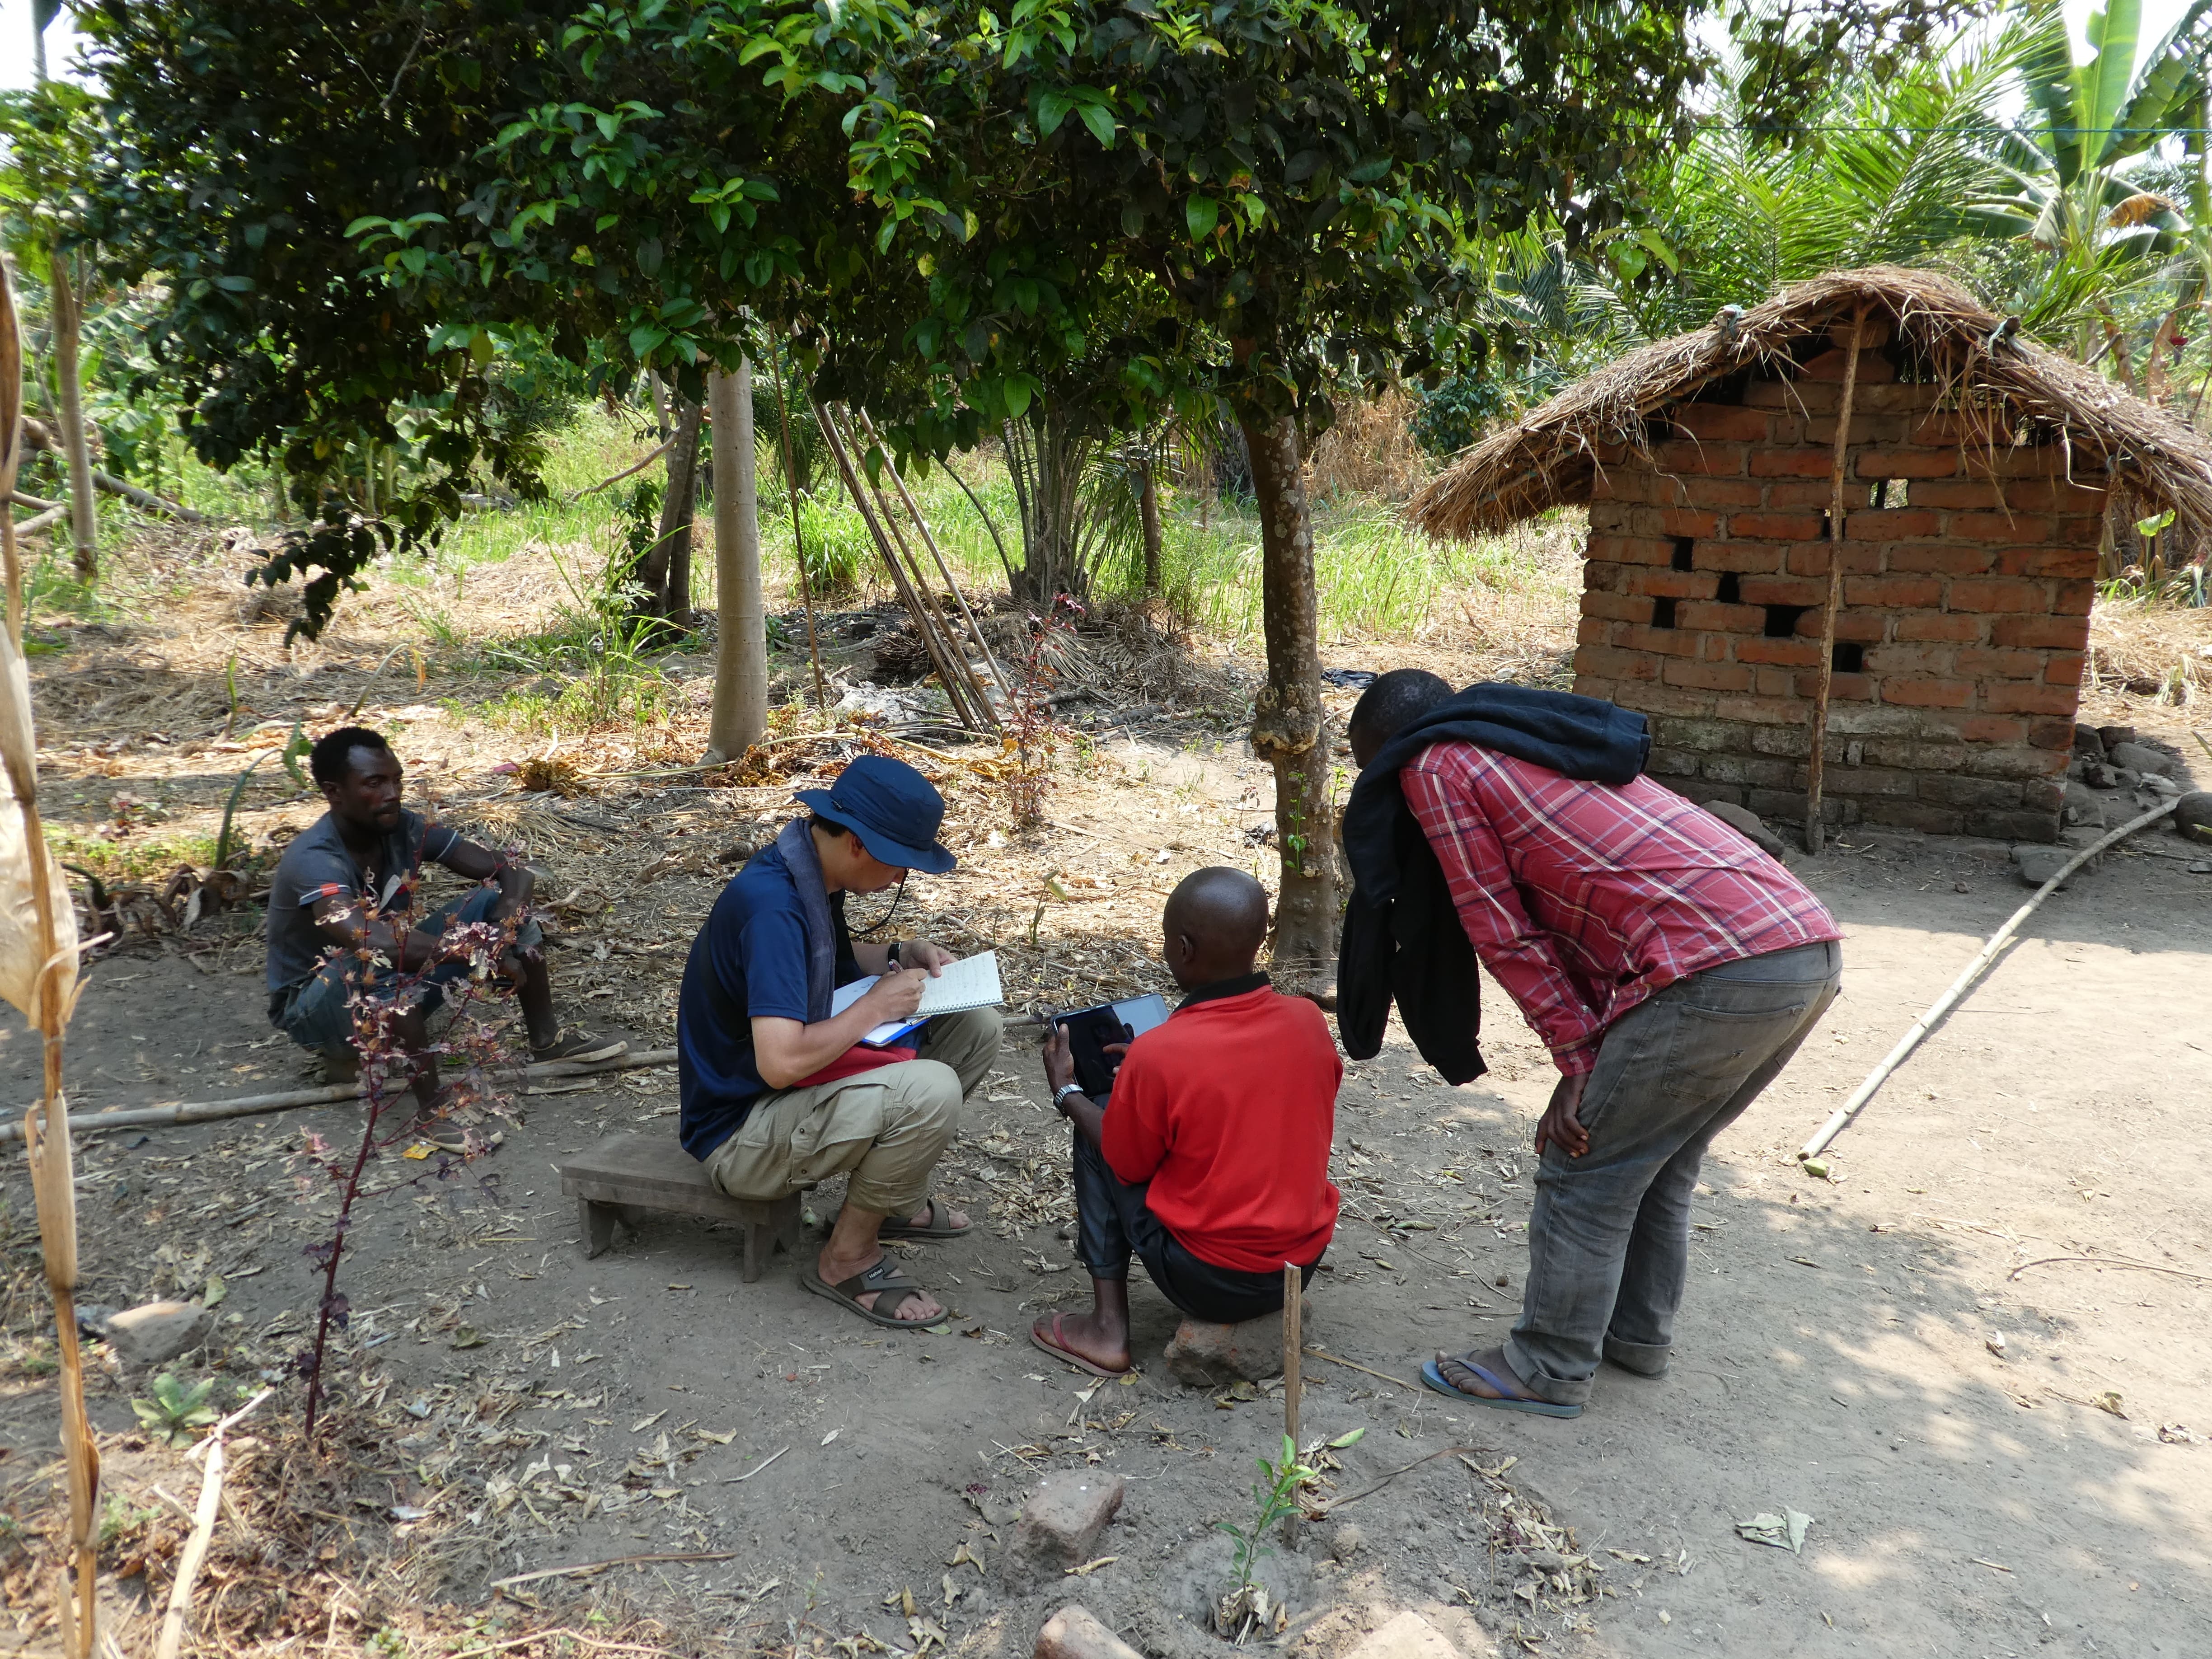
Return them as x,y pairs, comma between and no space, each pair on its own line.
471,1057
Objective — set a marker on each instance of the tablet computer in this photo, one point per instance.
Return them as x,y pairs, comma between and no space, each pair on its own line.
1090,1030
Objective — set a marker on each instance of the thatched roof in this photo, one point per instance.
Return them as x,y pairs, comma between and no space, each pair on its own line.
2011,388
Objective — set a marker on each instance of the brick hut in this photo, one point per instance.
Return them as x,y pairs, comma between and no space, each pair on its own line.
1973,482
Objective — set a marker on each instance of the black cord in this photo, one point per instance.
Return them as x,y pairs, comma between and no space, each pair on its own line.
882,922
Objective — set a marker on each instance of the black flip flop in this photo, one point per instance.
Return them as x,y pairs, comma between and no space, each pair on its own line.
883,1277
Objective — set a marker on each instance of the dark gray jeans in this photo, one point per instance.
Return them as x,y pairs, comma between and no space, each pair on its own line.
1609,1239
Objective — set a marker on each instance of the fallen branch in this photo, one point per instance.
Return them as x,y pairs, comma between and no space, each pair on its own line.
145,498
36,503
595,488
2109,1261
195,1552
45,520
612,1561
736,1479
1354,1366
1840,1118
209,1111
1369,1492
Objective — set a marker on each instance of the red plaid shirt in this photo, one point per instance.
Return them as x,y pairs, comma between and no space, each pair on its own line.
1582,899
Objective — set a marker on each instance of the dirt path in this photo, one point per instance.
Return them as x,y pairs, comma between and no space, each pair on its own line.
531,1409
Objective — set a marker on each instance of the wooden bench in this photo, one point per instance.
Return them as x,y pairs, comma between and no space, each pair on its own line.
632,1172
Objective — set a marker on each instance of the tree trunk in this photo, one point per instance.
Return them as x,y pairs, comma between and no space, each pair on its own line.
657,571
1148,511
1290,727
740,710
76,445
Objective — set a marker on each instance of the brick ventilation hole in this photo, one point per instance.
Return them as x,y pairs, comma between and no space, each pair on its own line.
1781,619
1663,613
1892,492
1729,592
1686,550
1848,656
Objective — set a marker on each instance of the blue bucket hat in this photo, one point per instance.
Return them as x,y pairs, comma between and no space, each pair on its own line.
893,809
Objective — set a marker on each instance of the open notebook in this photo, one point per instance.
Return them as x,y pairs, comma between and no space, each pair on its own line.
971,983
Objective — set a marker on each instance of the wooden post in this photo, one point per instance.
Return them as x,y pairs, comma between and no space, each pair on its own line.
1815,831
1293,1346
740,716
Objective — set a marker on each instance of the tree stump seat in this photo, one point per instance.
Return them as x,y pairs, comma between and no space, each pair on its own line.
626,1173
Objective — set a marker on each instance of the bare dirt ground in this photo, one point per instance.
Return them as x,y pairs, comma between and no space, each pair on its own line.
504,1407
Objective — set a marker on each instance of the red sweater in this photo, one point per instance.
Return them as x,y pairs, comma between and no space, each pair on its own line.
1228,1111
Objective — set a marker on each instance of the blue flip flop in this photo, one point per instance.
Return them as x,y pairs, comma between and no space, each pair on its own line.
1435,1378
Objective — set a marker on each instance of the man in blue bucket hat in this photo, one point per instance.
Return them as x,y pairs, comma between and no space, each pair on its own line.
777,1092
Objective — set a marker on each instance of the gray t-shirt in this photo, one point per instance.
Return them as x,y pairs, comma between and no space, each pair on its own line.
318,865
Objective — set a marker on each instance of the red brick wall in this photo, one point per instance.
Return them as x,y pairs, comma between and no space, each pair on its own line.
1969,605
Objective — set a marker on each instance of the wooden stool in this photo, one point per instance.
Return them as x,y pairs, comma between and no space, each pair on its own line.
631,1172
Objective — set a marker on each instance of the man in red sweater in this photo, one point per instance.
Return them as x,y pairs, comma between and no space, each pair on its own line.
1213,1165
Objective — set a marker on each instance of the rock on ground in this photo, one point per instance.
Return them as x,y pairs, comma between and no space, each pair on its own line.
1076,1632
2194,813
157,1333
2141,757
1748,823
2084,806
2039,864
1059,1524
1202,1356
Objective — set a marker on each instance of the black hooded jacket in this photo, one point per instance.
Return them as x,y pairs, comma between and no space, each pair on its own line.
1402,937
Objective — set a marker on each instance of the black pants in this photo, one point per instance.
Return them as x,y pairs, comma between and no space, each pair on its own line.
1111,1222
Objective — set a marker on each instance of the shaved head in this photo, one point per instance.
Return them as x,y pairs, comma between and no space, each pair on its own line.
1215,922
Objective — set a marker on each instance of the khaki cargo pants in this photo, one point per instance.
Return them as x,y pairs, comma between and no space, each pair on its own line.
886,1128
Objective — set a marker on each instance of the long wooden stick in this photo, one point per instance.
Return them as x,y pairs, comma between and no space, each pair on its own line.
194,1553
1815,831
944,569
211,1111
1841,1117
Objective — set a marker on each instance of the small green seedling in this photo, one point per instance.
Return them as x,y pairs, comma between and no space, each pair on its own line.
1246,1606
176,1412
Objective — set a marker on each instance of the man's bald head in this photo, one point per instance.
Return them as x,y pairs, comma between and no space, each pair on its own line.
1215,922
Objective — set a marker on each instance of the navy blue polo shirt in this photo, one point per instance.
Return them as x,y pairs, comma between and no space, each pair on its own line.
749,962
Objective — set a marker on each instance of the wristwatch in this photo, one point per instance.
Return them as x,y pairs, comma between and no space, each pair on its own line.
891,954
1059,1097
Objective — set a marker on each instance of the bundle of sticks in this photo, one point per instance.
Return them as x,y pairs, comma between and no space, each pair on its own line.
947,628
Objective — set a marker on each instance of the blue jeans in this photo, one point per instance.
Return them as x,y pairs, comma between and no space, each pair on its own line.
1609,1237
317,1014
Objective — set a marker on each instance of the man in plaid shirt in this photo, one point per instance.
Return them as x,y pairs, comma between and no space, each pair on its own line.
1671,967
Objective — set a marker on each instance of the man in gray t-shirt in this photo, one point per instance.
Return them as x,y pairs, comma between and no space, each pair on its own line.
345,931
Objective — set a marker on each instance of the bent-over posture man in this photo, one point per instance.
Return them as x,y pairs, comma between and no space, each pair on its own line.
1210,1160
1671,967
777,1093
339,921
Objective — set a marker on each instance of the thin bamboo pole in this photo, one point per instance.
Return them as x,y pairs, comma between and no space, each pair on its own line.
51,995
908,598
951,582
797,546
1816,760
1841,1117
1293,1384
